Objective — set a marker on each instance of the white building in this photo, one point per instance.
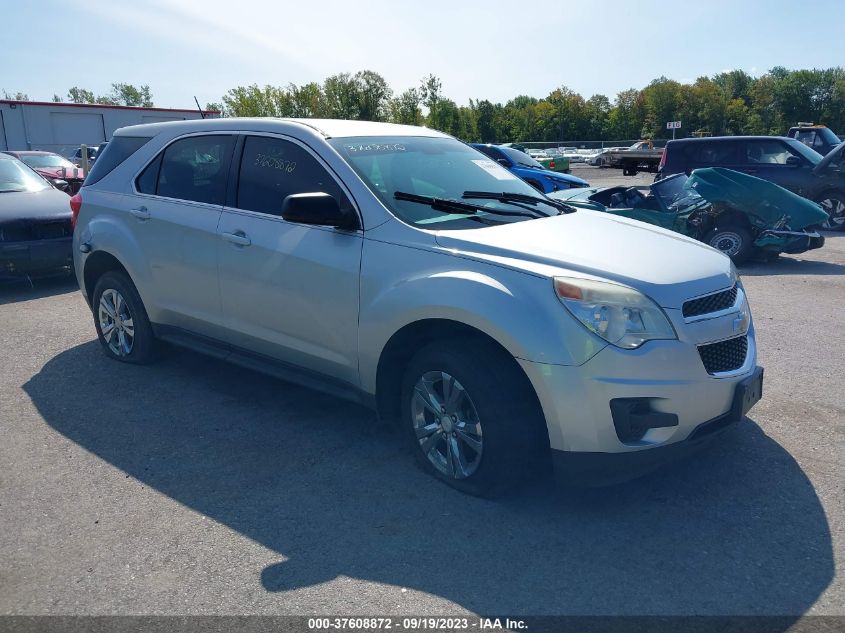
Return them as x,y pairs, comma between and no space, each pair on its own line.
63,127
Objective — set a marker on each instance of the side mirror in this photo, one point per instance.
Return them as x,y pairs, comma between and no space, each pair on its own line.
317,208
793,161
504,162
61,185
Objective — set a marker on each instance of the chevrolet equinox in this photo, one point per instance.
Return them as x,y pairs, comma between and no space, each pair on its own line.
401,268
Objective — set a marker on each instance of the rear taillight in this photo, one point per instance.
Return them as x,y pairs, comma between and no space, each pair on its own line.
551,164
75,206
662,160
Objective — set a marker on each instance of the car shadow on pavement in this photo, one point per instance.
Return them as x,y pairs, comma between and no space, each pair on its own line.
791,266
13,290
738,529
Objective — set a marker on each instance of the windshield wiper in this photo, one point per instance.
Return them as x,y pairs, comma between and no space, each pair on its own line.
512,197
456,206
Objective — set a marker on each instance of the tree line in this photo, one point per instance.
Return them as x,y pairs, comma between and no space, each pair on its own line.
730,103
120,94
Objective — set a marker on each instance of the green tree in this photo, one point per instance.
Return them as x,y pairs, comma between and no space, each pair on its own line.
405,108
341,97
373,96
485,120
216,106
251,101
80,95
127,94
430,88
625,120
17,96
663,101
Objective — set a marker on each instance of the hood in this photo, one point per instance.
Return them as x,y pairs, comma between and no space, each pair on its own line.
49,204
577,194
666,266
569,179
834,154
76,173
761,198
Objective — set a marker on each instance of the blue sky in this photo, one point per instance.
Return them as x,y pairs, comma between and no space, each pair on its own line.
479,48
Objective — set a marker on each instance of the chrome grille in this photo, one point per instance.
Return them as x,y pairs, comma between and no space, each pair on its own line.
725,355
710,303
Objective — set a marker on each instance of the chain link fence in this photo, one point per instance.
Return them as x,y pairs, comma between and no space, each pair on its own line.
591,145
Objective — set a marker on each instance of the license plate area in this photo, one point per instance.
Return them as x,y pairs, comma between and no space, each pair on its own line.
748,393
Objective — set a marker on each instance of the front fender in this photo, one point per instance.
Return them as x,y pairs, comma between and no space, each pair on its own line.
517,309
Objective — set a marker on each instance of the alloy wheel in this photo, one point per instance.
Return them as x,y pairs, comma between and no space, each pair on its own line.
446,424
835,208
116,324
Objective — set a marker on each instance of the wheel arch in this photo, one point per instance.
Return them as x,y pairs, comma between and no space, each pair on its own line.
828,191
731,217
96,265
405,342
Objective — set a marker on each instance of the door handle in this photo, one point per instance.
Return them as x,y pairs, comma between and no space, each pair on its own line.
141,213
238,238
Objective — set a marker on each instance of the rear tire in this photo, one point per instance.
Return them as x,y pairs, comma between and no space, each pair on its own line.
472,417
123,328
833,204
732,240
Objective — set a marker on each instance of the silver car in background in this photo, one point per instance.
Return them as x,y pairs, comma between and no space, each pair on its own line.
400,268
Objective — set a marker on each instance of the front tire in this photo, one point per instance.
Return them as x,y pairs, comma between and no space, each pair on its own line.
732,240
472,418
833,204
123,328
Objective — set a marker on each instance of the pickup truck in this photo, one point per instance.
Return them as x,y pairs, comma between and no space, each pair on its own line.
816,136
642,155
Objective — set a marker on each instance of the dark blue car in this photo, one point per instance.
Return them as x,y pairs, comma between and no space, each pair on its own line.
532,172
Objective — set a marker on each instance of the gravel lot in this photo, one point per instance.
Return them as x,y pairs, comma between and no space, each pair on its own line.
196,487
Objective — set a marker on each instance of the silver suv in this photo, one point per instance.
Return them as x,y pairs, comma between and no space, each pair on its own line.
399,267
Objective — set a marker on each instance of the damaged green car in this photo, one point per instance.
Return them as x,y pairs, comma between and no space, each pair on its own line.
740,215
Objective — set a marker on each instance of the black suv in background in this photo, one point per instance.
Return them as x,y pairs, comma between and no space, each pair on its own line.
783,161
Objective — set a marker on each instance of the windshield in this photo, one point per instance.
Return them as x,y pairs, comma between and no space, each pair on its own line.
442,168
674,195
810,154
47,160
17,177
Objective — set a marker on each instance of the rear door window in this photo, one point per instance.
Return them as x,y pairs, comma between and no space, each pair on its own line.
193,168
712,154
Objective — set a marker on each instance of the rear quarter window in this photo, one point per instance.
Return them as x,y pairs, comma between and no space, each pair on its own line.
114,153
706,154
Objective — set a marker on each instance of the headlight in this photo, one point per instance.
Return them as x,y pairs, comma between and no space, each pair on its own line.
619,314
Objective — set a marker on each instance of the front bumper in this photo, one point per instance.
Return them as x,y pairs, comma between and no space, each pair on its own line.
606,468
791,242
21,258
662,386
